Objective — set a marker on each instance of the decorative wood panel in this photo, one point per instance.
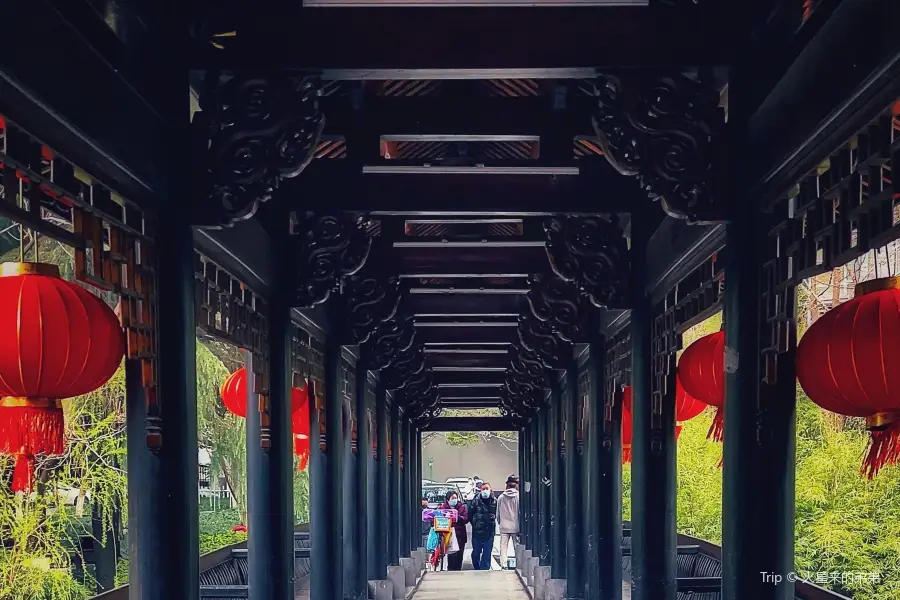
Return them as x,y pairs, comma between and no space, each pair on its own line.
110,240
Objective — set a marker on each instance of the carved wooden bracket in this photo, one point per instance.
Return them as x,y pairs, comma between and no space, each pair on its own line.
331,248
668,132
407,364
369,302
418,389
592,253
560,304
394,336
538,337
250,134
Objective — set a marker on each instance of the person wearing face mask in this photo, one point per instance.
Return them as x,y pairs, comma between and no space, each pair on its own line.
483,516
508,517
451,500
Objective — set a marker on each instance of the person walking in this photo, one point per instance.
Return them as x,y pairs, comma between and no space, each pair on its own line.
483,516
454,561
508,516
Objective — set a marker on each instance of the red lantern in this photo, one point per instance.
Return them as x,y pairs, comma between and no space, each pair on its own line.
627,426
848,362
701,371
234,392
57,340
234,395
686,408
300,425
301,449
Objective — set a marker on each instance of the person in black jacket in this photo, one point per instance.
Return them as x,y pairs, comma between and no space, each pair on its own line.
483,517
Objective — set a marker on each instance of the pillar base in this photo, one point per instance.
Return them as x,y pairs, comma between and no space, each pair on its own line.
531,567
397,576
523,562
541,575
556,589
410,570
381,589
419,557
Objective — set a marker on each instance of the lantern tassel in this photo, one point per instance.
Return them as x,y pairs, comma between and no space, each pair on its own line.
884,449
626,455
717,429
27,431
304,461
23,474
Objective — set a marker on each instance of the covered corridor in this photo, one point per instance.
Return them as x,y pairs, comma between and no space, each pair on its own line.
411,225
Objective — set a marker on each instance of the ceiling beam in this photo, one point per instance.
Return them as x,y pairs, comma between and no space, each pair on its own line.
432,305
473,378
471,334
472,424
340,184
473,393
477,117
462,403
361,41
468,360
96,131
479,262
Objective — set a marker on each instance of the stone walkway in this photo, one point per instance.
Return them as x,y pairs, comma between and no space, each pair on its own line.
470,585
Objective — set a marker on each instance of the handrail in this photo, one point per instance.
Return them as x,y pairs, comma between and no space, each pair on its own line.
213,559
803,590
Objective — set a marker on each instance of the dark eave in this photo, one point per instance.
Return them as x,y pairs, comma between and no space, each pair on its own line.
597,187
358,42
472,424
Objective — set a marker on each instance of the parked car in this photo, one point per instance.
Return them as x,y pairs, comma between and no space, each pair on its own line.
434,494
465,485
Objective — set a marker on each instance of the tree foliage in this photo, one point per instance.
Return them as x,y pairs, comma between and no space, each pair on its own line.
509,439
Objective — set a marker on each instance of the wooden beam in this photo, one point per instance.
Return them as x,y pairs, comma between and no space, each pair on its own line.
432,305
473,393
461,360
467,335
480,117
470,262
341,185
96,130
852,69
463,403
472,424
365,40
473,378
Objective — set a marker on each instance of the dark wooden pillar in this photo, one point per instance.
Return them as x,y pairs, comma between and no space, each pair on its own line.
557,483
604,484
361,465
273,544
534,454
348,502
523,477
403,489
653,449
326,488
382,485
575,543
257,489
760,421
393,513
417,516
162,482
415,490
546,453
